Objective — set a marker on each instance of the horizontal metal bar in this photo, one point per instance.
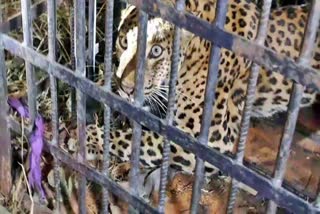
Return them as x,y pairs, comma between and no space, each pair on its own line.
96,176
261,55
226,164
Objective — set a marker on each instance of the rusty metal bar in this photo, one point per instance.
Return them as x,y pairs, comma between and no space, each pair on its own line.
251,89
295,100
27,40
272,190
80,57
52,34
261,55
107,182
209,98
175,61
5,151
107,86
226,164
138,101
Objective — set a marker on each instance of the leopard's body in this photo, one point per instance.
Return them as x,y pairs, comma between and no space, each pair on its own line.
285,33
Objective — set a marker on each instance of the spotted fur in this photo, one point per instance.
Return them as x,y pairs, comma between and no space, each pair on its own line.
285,34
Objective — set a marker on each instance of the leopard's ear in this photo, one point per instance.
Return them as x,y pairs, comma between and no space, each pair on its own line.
130,12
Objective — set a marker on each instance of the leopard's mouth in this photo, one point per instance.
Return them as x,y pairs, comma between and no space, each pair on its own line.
148,92
124,95
148,105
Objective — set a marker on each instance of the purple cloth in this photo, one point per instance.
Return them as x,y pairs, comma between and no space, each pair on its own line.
36,142
18,106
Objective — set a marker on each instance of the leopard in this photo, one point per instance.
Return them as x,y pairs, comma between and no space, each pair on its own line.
285,35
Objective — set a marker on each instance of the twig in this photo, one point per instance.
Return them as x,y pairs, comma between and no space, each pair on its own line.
29,189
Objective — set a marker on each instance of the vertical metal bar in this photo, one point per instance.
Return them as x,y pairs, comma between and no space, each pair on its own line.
5,142
81,99
107,85
295,100
5,151
175,61
283,155
138,101
27,39
73,59
212,78
52,33
251,89
92,38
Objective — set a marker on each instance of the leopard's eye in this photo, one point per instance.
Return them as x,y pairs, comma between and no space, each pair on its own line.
156,51
123,42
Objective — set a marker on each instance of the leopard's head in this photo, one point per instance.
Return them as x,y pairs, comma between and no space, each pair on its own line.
157,59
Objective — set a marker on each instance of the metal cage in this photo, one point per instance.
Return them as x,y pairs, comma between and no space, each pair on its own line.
270,188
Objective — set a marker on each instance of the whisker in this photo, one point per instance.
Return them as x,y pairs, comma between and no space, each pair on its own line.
154,104
162,95
161,104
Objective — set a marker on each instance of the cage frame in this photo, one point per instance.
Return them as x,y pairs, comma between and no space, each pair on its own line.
299,71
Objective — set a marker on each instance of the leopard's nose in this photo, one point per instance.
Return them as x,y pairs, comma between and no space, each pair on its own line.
127,86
